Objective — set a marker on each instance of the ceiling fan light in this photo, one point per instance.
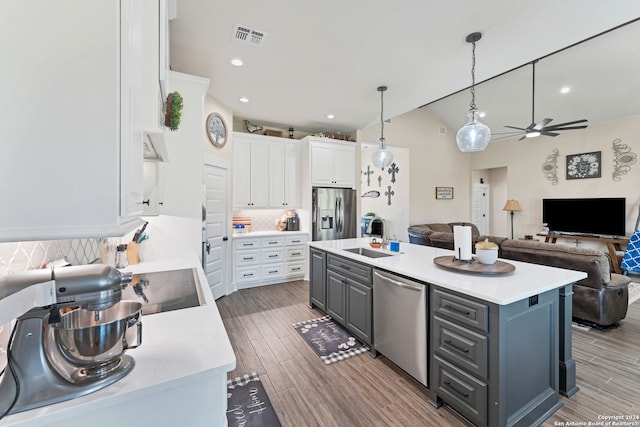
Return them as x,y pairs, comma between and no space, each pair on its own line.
474,135
533,134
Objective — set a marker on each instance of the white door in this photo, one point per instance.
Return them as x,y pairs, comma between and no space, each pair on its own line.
480,207
216,253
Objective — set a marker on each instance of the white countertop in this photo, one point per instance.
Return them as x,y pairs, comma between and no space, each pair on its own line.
177,347
416,261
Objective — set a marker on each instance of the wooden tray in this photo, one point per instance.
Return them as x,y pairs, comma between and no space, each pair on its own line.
474,266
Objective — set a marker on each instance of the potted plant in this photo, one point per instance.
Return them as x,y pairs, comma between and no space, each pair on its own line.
173,111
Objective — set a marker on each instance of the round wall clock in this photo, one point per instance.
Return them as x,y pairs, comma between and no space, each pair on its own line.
216,130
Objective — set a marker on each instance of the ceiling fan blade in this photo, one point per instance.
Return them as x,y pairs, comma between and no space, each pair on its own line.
546,133
513,127
555,128
568,123
523,137
539,126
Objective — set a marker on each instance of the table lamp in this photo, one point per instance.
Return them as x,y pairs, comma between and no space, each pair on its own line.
513,206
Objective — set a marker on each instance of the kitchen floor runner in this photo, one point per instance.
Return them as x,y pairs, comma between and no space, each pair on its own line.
248,404
329,340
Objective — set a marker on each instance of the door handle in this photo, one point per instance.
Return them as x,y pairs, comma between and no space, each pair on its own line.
225,238
208,247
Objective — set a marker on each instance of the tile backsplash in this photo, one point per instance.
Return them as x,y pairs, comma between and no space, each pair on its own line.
262,219
19,256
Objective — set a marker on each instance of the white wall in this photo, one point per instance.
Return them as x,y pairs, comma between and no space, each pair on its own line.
435,161
395,215
526,182
512,168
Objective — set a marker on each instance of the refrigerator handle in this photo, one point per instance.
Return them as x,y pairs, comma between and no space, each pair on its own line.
340,214
336,214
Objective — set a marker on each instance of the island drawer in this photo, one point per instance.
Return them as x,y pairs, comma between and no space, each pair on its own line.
461,346
355,270
462,310
461,391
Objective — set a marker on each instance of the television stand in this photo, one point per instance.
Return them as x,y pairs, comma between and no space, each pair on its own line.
613,244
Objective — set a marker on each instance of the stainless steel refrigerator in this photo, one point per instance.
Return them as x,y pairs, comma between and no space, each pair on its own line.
333,213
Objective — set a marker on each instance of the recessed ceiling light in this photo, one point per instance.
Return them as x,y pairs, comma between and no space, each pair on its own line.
244,99
330,116
565,89
237,62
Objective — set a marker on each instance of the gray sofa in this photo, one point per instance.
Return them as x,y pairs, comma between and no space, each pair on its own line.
440,235
602,298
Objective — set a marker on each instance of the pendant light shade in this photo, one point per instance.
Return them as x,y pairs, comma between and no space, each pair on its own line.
382,157
474,135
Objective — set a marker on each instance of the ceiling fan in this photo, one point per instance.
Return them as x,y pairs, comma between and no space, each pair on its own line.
542,127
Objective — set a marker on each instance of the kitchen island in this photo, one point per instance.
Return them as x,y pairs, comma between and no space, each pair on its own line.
180,371
499,346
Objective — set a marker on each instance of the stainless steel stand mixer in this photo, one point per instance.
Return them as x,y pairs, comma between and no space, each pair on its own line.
52,357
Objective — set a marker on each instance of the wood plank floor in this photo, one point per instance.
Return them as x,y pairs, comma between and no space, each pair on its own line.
363,391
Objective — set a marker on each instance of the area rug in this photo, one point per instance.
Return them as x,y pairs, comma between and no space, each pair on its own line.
329,340
248,404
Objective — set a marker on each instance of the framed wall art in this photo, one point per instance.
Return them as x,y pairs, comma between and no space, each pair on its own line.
584,165
444,192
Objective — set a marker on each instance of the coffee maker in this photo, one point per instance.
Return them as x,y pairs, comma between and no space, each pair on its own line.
71,331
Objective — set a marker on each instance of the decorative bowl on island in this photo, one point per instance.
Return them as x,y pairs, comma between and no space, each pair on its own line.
486,252
375,243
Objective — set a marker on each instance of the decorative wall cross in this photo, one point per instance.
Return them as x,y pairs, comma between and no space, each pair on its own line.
379,180
368,173
389,193
393,170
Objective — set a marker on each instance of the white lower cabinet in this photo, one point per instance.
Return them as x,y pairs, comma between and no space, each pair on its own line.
268,259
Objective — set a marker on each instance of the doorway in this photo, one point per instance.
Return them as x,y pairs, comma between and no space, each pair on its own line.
215,254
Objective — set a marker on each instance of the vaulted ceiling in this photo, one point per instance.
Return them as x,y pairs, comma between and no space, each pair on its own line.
319,58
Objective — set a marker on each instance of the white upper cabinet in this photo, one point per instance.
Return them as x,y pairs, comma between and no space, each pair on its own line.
250,174
332,163
266,172
75,112
284,163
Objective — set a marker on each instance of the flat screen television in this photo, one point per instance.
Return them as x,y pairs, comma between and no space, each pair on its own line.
600,217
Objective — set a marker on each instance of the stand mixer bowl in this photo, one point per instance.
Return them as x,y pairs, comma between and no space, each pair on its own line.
93,337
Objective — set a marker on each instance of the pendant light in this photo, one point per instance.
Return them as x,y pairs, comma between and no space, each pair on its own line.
474,135
382,157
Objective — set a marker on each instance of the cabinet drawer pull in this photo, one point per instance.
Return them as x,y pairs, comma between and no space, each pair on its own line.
296,253
457,310
346,267
296,269
248,258
295,241
273,271
273,256
247,275
452,344
247,244
272,243
461,393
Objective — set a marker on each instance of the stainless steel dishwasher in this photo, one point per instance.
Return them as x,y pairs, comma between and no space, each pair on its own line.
400,322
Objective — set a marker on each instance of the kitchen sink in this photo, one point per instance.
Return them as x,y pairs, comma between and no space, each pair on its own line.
368,252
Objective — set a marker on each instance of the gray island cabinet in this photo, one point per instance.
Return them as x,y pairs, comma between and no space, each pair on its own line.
499,345
342,288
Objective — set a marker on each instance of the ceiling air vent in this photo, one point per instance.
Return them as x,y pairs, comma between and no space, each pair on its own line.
248,35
